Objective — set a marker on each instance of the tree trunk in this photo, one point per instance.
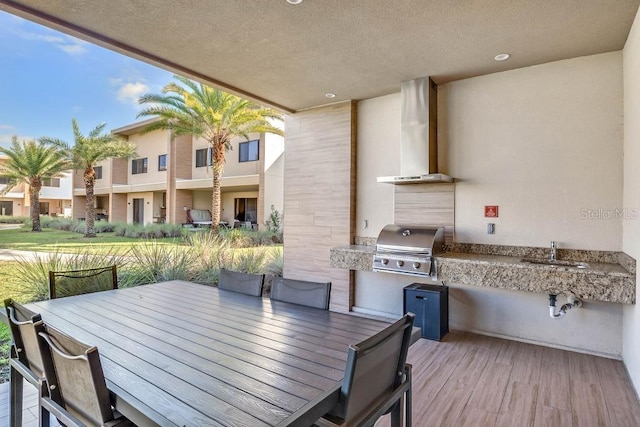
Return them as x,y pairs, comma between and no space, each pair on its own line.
34,199
89,181
215,198
219,148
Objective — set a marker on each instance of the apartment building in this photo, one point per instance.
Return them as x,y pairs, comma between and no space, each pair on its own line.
55,197
168,177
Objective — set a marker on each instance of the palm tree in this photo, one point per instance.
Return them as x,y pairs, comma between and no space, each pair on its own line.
189,108
30,163
86,153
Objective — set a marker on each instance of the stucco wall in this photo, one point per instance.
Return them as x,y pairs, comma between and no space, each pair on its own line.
543,143
631,228
149,145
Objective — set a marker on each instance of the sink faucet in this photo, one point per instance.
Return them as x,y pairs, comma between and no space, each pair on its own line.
553,250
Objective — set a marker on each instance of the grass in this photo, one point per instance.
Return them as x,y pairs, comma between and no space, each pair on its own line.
9,290
50,240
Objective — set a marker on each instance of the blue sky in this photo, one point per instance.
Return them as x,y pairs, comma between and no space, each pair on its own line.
47,78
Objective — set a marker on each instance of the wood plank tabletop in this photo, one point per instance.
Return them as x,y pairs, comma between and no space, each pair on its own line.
182,354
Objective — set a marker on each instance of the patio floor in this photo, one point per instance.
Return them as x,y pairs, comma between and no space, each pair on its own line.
470,379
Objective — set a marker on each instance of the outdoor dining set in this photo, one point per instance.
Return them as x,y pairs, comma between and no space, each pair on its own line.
178,353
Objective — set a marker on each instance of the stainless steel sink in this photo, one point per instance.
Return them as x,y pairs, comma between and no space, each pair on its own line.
555,263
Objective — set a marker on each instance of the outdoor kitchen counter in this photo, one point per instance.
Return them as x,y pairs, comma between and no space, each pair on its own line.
602,281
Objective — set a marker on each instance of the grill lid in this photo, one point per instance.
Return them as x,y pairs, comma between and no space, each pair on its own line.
408,250
411,239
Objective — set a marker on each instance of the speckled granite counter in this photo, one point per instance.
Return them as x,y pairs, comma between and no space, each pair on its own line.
611,281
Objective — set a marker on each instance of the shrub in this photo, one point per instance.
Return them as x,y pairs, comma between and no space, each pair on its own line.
275,264
150,231
32,270
4,219
245,238
274,222
155,262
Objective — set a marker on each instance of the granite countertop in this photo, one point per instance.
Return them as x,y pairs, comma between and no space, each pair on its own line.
502,267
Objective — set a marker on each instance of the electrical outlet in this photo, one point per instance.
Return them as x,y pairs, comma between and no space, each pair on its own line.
491,228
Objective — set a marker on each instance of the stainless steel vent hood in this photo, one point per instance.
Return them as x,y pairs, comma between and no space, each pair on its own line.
419,142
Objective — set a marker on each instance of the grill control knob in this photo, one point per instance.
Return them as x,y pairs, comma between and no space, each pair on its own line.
416,265
400,263
384,261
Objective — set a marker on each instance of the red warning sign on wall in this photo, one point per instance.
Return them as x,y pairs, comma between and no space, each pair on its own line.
491,212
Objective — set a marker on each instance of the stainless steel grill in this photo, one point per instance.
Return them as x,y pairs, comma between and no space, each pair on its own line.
408,250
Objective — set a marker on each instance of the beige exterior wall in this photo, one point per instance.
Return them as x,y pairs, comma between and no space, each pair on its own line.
150,146
104,184
273,174
631,200
148,206
543,143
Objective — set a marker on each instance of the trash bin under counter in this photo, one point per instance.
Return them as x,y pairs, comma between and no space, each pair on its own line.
430,304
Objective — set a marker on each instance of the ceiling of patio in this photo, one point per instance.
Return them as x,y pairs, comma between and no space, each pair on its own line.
290,56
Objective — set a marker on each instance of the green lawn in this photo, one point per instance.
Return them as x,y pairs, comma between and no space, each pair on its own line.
50,240
8,291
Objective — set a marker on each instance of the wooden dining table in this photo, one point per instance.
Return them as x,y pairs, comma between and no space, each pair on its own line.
182,354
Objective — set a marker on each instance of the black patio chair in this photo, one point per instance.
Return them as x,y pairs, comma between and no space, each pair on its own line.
244,283
376,379
76,282
78,394
25,360
310,294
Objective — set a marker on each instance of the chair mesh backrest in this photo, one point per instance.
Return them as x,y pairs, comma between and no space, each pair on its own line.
244,283
310,294
76,282
374,370
75,377
22,322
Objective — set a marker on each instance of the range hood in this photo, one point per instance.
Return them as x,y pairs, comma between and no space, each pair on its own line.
419,142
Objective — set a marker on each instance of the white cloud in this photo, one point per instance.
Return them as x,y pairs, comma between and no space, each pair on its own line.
6,127
69,45
128,93
75,49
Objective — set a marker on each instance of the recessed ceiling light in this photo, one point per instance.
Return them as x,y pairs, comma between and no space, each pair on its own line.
294,1
330,95
502,57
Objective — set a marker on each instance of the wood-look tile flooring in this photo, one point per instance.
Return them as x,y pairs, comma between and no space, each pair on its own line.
473,380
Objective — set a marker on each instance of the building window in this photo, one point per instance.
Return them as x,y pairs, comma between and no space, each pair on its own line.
51,182
250,151
98,171
139,166
203,157
246,209
4,179
162,162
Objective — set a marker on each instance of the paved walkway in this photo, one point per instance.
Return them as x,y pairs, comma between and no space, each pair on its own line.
29,406
12,254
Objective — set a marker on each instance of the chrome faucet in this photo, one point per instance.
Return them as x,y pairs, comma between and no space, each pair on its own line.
553,250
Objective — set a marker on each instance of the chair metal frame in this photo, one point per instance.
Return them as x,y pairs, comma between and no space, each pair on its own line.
74,274
401,390
56,402
291,291
21,359
244,283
